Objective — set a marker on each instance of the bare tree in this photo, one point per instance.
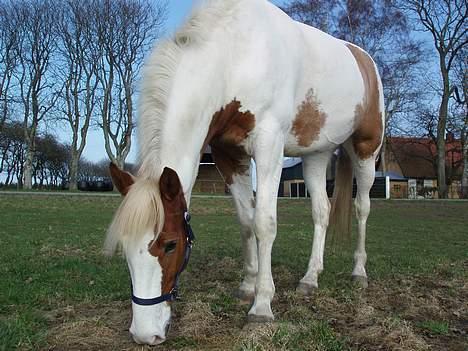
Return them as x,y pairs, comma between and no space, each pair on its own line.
464,182
460,109
380,28
35,21
8,58
320,14
12,150
446,21
51,163
125,30
77,32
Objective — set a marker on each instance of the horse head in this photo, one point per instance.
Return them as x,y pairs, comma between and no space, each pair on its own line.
152,226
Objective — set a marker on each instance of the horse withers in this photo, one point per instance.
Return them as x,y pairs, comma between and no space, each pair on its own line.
244,78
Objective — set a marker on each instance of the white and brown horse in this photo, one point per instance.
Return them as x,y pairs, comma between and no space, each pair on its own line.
243,77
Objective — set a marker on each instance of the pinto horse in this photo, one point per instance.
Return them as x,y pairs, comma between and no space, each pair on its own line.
244,78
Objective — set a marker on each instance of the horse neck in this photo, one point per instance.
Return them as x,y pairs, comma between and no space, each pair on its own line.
174,124
181,139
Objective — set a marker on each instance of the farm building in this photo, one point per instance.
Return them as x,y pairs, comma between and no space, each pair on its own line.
292,180
209,179
415,160
398,184
410,172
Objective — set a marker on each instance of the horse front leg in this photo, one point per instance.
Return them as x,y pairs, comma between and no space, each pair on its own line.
269,160
242,193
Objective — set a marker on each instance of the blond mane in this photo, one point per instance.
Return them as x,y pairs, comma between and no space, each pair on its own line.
141,211
160,69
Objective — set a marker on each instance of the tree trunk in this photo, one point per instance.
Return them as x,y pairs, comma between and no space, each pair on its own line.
28,168
441,129
383,156
464,185
119,161
73,181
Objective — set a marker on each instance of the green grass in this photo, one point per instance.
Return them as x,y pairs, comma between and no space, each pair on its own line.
435,327
299,337
51,259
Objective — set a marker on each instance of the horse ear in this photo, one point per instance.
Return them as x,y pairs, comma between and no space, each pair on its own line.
169,184
121,179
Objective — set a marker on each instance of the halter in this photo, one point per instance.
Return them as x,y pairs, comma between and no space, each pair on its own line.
172,295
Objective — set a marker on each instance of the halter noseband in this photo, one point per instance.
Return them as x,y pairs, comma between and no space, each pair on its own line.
172,295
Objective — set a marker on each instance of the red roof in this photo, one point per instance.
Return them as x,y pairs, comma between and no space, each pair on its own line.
417,157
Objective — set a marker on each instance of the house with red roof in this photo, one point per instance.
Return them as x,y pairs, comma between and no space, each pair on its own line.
415,159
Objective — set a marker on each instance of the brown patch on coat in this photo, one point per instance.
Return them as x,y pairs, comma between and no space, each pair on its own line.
368,121
309,121
173,231
228,129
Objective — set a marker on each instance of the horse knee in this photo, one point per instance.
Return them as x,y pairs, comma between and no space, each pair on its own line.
265,226
320,209
362,205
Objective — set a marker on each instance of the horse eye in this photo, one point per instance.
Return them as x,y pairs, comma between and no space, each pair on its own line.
170,247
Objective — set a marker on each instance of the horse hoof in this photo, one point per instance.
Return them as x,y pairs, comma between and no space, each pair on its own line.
306,289
253,318
245,297
360,281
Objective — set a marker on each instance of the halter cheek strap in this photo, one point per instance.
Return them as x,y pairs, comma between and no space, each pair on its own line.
172,295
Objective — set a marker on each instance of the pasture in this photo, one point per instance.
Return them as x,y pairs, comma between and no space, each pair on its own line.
58,292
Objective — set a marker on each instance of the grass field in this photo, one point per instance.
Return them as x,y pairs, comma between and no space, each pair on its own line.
58,292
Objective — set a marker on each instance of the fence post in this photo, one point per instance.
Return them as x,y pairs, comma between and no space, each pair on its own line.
387,188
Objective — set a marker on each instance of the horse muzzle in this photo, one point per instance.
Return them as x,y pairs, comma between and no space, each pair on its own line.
148,340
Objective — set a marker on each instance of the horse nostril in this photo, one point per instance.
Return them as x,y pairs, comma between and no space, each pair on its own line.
150,340
157,340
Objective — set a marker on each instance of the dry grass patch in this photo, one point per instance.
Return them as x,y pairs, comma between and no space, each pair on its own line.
197,320
90,327
391,334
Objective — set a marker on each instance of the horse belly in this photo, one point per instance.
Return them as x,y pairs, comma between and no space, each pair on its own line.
326,140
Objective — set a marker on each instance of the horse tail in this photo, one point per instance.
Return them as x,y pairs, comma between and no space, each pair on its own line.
339,228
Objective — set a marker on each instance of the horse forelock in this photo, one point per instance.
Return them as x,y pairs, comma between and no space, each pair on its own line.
140,212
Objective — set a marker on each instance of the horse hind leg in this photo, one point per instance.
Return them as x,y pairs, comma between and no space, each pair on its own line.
364,171
315,169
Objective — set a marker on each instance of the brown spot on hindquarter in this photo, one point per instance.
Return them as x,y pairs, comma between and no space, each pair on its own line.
228,129
368,117
309,120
